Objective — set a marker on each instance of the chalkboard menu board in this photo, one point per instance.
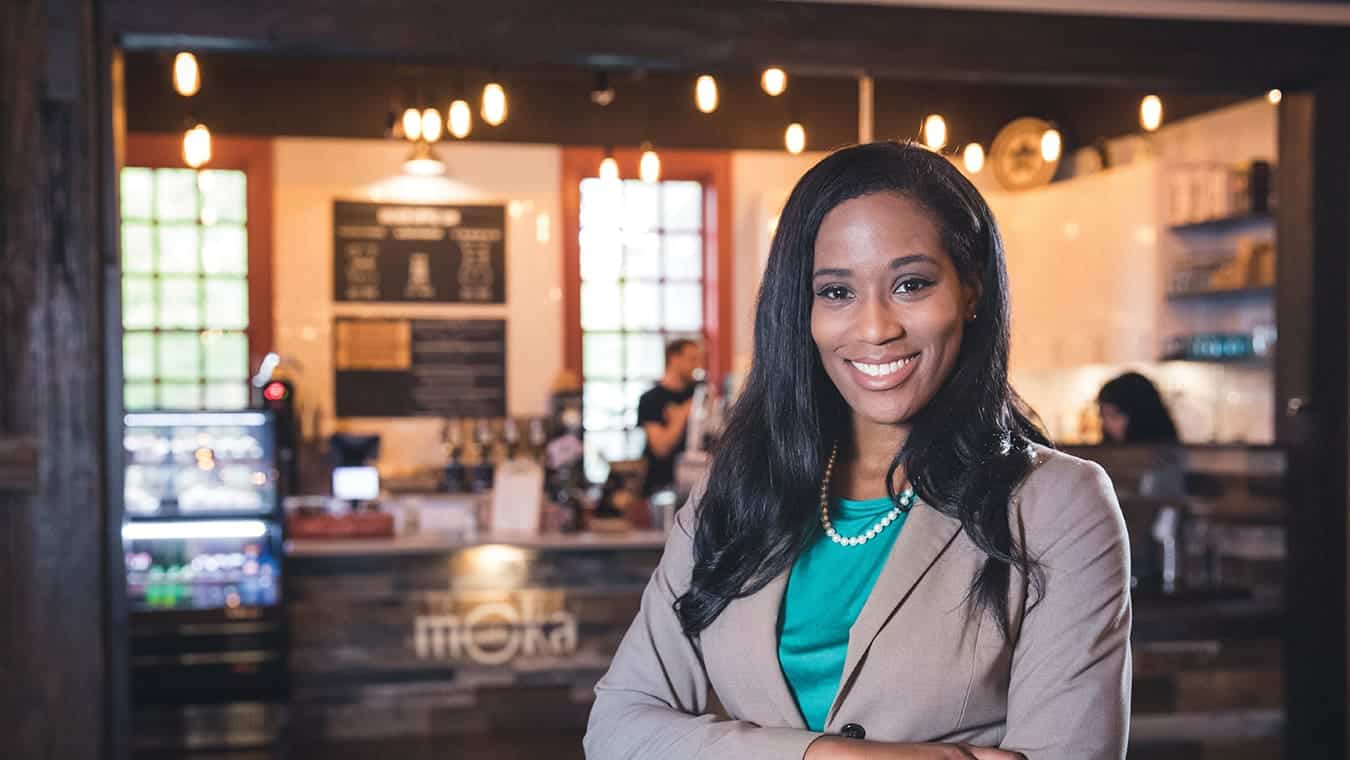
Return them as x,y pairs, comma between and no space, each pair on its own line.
420,367
425,254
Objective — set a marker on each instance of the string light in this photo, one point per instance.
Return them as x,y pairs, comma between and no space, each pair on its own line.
705,94
795,138
774,81
1274,96
1051,145
197,146
973,157
460,119
935,132
1150,112
187,76
609,168
494,104
412,125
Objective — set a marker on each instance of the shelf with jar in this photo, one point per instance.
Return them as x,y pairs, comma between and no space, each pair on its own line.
1210,197
1248,270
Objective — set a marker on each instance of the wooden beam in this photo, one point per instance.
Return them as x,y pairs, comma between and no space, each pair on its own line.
54,563
806,37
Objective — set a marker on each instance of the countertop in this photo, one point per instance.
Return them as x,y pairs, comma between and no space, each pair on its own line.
432,543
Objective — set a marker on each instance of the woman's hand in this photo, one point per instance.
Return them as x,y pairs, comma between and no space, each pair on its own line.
838,748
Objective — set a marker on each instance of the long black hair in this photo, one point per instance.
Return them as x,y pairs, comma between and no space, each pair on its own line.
967,448
1138,399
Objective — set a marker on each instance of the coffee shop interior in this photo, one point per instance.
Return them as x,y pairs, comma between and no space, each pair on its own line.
365,302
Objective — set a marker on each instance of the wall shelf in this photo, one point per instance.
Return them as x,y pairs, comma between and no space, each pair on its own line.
1251,291
1222,223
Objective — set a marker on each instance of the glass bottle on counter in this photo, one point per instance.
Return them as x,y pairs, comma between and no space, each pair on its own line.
481,473
456,476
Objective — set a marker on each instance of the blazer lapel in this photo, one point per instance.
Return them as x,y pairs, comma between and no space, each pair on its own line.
925,535
753,620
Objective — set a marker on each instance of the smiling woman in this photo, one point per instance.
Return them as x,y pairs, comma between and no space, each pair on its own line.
887,560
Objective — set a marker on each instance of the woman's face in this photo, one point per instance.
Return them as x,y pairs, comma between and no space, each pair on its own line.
1115,423
889,307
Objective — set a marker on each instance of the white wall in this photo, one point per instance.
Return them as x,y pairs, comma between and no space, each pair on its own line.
312,173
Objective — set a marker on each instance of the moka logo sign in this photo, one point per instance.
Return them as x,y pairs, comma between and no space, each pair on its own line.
496,632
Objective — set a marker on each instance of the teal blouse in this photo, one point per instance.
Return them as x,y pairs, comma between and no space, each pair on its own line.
825,592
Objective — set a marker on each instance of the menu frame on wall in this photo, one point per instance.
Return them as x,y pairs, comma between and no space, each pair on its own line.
418,253
405,367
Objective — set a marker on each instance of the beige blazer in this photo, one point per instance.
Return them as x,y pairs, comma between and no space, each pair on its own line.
918,668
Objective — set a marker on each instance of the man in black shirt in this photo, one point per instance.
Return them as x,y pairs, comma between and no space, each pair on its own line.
663,413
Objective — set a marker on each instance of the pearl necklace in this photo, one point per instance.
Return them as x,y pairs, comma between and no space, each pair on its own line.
906,501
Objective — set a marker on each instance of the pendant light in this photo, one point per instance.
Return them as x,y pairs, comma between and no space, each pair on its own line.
1052,144
935,131
795,138
412,125
705,94
1274,96
773,81
432,126
973,158
197,146
460,119
494,104
649,167
609,167
1151,112
187,76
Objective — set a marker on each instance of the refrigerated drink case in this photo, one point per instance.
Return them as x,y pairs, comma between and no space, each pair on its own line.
203,544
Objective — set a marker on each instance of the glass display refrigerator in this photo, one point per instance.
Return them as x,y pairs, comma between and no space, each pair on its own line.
203,543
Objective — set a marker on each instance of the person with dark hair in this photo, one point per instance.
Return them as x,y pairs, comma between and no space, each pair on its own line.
1133,411
887,559
663,413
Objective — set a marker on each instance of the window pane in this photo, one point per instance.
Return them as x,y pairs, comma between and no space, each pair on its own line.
642,256
179,248
601,449
602,355
225,250
227,303
684,306
601,254
599,306
227,395
684,257
180,396
226,356
602,405
138,247
637,441
180,302
176,195
138,193
224,197
641,306
138,396
681,206
138,356
180,356
138,302
646,356
641,210
632,394
601,203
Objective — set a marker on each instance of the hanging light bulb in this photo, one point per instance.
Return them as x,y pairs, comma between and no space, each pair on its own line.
412,125
460,119
935,132
609,167
1051,145
649,168
197,146
1150,112
187,76
705,94
431,125
795,138
1275,96
494,104
973,157
774,81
